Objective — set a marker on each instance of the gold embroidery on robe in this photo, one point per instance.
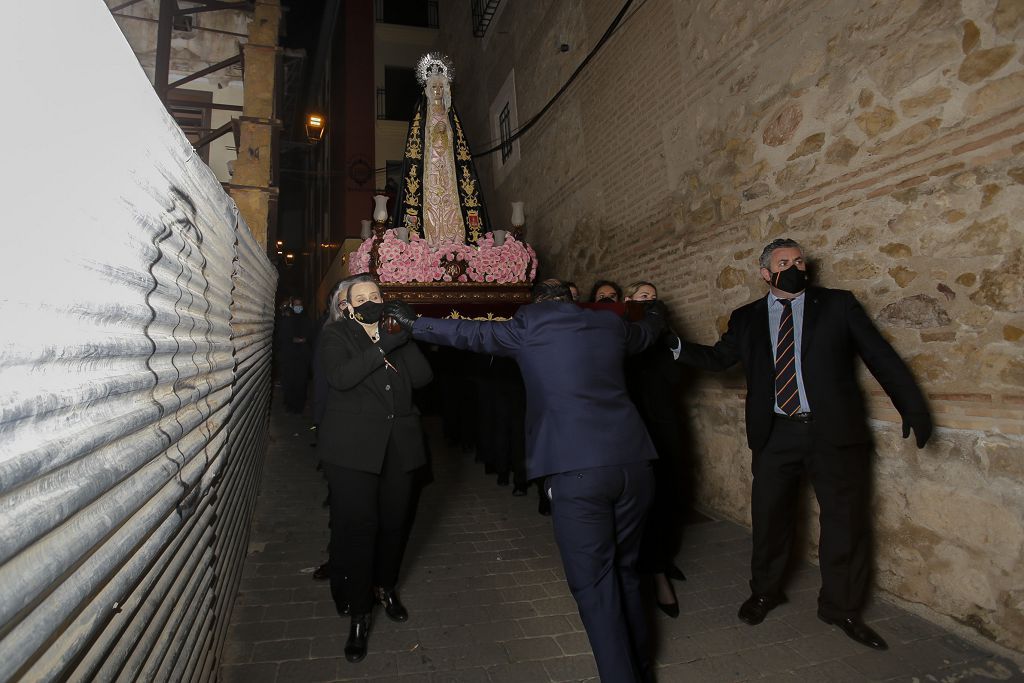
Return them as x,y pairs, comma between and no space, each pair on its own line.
414,149
412,187
463,153
469,187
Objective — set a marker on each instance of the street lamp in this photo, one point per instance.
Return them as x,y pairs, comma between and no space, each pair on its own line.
315,124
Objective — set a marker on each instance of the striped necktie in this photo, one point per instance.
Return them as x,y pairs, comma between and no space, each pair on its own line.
787,394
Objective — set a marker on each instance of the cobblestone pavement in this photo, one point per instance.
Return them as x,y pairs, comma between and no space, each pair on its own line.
483,583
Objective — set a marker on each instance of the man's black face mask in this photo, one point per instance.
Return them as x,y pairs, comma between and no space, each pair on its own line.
791,280
368,312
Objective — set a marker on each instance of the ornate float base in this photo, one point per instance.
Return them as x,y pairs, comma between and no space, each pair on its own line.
460,299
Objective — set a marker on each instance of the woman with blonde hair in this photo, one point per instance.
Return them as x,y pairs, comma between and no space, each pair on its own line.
652,378
370,443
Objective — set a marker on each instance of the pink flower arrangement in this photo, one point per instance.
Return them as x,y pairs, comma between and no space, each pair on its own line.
513,261
415,261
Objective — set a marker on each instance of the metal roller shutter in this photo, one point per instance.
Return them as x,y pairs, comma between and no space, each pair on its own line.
137,318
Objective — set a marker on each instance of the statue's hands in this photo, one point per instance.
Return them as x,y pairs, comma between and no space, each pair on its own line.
921,423
402,314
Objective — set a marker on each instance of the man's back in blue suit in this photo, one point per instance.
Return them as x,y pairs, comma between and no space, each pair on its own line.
578,412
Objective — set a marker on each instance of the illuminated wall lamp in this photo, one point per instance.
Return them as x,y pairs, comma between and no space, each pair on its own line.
315,128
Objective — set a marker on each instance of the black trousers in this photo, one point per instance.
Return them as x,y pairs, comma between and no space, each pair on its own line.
840,478
664,528
369,515
502,421
598,518
294,379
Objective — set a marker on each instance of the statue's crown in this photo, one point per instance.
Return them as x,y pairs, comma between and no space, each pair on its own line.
433,64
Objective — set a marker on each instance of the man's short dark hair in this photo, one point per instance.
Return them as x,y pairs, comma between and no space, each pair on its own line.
550,290
781,243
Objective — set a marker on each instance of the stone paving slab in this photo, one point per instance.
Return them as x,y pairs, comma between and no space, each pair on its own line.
484,585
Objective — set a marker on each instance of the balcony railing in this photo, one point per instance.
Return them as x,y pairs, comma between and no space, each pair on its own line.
483,12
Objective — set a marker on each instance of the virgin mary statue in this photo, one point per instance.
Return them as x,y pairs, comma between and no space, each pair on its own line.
439,196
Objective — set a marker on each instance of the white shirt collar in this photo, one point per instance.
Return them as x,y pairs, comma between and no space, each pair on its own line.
772,298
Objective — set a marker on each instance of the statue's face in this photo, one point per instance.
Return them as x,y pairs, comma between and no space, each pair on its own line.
436,89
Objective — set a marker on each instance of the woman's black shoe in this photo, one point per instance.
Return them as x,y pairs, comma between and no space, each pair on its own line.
669,608
323,572
393,607
544,506
359,631
674,572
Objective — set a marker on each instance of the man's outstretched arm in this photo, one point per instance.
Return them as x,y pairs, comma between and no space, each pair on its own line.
498,338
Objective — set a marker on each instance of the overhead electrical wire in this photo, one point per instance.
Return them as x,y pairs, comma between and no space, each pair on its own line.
519,132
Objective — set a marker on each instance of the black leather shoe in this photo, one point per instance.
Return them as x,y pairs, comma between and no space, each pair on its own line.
757,607
859,631
544,506
518,491
359,631
675,573
393,607
669,608
322,573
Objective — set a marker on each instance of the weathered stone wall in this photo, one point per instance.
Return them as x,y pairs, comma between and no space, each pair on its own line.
887,138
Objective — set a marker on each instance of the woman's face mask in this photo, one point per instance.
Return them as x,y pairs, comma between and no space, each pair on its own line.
365,302
368,312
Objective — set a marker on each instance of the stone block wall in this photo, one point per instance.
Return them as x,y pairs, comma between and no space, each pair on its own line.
887,138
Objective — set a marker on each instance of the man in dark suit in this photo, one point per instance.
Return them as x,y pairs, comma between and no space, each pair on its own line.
583,435
805,414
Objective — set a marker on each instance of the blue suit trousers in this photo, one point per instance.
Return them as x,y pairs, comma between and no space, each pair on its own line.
598,515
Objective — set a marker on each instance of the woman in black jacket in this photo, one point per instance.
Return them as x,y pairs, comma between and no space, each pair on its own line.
652,378
371,443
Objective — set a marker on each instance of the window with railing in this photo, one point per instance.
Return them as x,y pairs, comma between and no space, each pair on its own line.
421,13
504,122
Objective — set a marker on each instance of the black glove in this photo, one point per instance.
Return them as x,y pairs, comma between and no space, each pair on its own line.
669,339
402,314
655,312
921,423
390,342
656,309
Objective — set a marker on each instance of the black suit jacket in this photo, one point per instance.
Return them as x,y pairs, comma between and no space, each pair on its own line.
368,403
835,330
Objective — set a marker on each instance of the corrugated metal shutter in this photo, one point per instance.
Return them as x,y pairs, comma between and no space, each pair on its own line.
137,315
